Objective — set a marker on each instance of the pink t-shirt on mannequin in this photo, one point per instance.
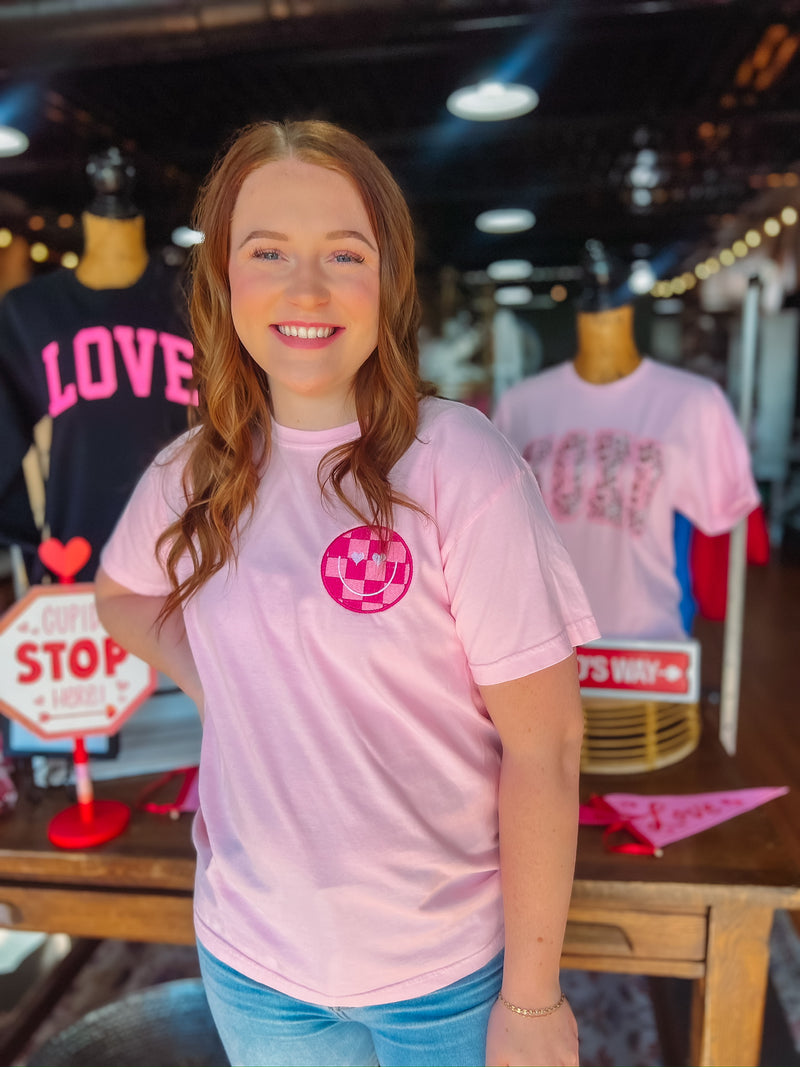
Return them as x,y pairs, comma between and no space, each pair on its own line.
614,463
347,832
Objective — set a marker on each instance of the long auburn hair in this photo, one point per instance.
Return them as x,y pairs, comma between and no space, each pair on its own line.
228,452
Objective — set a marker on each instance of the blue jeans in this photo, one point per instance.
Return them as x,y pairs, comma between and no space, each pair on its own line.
261,1027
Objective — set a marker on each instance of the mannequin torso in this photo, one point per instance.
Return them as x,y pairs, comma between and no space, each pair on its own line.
115,254
606,346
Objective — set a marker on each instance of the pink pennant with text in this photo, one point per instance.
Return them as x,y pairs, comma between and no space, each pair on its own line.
660,820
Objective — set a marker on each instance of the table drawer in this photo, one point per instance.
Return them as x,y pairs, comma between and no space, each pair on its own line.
98,913
627,934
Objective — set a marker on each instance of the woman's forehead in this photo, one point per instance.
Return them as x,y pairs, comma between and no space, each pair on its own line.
291,185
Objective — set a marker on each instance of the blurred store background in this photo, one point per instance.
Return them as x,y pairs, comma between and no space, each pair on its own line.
669,130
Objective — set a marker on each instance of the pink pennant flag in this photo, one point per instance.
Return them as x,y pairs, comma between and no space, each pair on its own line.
659,820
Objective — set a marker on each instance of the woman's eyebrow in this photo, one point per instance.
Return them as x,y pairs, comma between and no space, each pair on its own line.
334,235
339,235
260,235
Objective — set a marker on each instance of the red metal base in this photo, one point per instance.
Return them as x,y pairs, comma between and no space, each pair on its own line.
76,827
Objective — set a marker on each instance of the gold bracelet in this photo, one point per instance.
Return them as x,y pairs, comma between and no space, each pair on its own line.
532,1011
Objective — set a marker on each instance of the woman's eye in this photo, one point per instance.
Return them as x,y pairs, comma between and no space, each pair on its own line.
347,257
269,254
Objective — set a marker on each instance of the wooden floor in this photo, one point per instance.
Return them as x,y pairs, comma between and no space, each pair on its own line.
768,744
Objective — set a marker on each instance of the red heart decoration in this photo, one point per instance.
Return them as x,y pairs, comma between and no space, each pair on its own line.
65,560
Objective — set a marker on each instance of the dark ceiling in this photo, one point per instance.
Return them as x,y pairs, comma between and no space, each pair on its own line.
712,85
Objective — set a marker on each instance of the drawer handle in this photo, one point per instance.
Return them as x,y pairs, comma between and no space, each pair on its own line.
597,938
10,915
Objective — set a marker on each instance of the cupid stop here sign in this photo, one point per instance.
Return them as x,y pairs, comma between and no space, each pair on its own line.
61,674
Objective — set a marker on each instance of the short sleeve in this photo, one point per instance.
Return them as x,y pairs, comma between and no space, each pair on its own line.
716,488
129,556
515,596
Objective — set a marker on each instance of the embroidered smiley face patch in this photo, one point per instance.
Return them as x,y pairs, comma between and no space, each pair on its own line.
364,574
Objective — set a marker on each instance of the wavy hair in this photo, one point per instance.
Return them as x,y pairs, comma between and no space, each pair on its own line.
226,456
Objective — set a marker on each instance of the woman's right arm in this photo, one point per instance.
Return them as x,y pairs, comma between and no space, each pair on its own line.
131,619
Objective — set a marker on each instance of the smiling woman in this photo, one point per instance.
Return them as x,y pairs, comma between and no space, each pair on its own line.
305,282
360,586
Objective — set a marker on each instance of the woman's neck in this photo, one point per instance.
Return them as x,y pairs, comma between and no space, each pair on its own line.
606,347
114,252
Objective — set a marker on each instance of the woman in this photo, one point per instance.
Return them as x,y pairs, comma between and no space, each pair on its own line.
360,587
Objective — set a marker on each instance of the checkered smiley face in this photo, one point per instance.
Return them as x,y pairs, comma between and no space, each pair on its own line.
363,574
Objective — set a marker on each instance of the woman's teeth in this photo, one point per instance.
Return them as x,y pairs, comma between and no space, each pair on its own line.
309,332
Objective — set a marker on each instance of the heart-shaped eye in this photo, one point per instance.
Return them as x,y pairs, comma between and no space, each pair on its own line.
378,558
357,557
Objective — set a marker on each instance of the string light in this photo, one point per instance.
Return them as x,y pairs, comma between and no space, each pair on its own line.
726,257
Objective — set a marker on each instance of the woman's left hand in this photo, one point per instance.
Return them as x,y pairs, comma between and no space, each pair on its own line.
516,1041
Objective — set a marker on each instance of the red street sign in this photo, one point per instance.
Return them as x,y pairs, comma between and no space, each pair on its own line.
61,674
655,670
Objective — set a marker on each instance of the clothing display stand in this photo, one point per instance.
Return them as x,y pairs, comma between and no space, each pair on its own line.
737,560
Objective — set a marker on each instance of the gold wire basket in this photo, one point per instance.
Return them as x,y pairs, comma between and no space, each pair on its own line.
629,736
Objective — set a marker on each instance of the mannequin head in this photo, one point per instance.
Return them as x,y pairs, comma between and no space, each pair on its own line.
112,177
605,279
114,250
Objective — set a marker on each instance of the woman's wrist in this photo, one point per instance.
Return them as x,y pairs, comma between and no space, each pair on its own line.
532,1012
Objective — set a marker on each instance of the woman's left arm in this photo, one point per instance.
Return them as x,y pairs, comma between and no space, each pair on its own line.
540,722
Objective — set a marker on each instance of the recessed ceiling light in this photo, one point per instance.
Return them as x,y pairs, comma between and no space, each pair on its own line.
513,295
505,220
13,142
509,270
185,237
492,101
642,277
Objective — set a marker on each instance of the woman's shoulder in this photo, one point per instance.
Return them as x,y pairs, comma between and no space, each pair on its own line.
441,418
165,475
176,452
464,434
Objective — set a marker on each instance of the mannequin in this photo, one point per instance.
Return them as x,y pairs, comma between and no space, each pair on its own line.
102,356
15,264
607,349
620,445
114,254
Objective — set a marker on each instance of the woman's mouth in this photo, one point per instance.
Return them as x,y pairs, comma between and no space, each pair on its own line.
310,333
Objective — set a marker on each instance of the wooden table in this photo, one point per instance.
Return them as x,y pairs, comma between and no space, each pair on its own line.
702,912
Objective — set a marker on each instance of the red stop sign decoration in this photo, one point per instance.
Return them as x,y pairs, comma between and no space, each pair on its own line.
61,674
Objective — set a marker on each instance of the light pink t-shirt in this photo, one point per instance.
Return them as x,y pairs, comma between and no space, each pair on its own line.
347,831
615,462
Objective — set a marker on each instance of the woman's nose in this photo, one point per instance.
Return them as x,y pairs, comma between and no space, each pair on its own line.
307,286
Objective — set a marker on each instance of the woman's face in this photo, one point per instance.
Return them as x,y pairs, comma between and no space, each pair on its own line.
304,274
